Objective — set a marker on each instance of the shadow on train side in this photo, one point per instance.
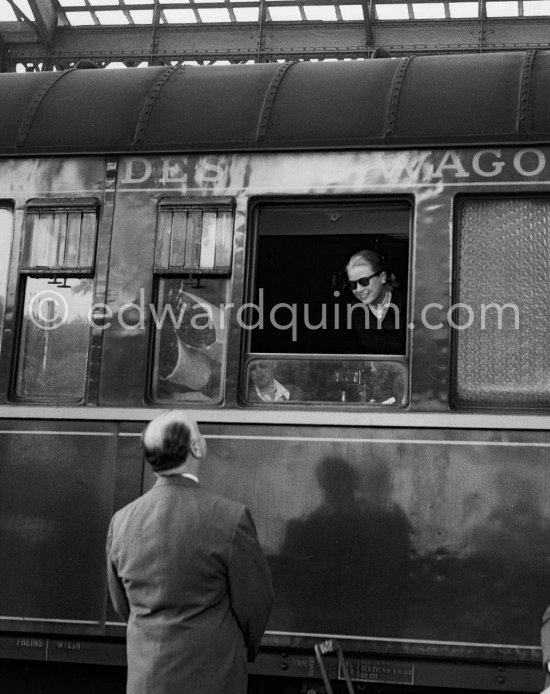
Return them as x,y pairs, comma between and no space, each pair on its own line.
354,565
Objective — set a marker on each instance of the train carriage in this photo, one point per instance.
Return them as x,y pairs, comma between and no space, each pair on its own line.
167,232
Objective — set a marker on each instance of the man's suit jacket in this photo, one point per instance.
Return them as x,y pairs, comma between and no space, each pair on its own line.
545,641
187,573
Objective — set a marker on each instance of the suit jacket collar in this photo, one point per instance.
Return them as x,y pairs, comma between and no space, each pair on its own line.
175,481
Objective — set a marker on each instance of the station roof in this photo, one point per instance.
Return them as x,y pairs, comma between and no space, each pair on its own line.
420,101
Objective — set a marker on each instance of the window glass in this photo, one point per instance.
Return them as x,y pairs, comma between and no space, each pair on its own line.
192,264
331,280
501,342
6,219
283,381
54,342
58,260
189,338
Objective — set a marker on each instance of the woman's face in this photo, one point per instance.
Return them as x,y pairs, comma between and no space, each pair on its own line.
373,293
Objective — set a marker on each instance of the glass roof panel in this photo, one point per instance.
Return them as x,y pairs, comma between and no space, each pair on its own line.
180,16
325,13
137,2
428,10
397,11
142,16
112,17
6,12
25,7
104,2
285,14
72,3
77,19
532,8
246,14
351,12
504,8
214,14
461,10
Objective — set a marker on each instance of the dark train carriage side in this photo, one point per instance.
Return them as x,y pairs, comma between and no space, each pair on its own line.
167,232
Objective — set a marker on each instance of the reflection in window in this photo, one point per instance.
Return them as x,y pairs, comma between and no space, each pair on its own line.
373,382
193,252
189,338
53,349
5,245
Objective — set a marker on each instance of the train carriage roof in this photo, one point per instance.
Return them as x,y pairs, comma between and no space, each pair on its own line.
390,102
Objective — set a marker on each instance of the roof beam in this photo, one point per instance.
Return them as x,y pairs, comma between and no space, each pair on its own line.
45,19
271,41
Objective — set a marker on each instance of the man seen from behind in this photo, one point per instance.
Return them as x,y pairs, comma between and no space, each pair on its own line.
186,571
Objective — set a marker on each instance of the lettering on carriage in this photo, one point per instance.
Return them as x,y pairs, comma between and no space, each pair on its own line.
451,165
70,645
29,643
304,664
380,671
207,171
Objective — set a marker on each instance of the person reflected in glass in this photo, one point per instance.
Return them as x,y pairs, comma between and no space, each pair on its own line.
379,316
264,387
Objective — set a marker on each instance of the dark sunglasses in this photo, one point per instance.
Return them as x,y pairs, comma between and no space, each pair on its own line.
363,281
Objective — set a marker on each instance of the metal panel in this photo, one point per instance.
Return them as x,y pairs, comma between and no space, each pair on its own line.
403,534
91,109
344,101
63,505
474,97
539,103
17,95
210,105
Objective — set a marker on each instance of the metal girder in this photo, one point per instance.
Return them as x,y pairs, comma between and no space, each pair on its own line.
268,41
45,19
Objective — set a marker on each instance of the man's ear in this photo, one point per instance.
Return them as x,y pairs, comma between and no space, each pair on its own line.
197,447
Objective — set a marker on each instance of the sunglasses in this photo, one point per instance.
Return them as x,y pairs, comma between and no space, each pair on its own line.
363,281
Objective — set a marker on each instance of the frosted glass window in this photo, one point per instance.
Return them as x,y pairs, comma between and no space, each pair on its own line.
501,346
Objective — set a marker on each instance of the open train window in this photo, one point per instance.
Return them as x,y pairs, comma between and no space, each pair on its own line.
192,270
6,225
500,320
328,321
57,266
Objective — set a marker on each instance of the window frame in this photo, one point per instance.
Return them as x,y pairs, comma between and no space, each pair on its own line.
160,273
328,202
24,272
455,403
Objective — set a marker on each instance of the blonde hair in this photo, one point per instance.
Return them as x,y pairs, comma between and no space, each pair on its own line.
376,261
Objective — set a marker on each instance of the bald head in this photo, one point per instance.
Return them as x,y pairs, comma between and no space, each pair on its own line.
170,440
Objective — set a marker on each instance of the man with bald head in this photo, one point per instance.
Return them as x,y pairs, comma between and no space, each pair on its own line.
186,571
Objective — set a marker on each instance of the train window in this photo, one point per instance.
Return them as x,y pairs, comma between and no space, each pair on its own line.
58,260
6,221
192,270
501,324
276,380
323,335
